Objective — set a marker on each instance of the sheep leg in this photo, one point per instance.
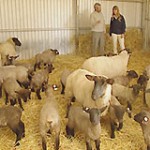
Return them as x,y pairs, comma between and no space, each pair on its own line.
69,131
63,88
0,91
148,147
120,126
38,94
97,144
69,105
112,124
88,145
44,147
57,142
20,103
6,98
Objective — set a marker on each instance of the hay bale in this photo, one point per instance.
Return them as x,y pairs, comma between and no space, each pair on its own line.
133,41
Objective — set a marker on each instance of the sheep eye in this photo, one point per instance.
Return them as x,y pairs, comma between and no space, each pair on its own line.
146,119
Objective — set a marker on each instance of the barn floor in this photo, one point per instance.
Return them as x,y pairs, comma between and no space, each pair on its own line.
129,138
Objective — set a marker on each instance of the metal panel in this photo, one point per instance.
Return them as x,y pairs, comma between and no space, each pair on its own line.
39,24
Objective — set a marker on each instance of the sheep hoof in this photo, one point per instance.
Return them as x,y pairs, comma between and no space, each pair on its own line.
112,136
17,144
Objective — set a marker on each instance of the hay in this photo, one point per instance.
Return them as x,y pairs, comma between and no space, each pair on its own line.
133,41
129,138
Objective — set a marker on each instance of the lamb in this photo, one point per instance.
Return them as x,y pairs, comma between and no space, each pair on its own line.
14,92
40,79
143,118
144,82
88,89
8,50
50,119
46,57
63,79
108,66
11,116
116,112
126,79
125,94
19,73
86,121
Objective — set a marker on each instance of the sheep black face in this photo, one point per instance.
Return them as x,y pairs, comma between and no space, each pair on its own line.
16,41
10,59
142,80
56,51
100,86
132,73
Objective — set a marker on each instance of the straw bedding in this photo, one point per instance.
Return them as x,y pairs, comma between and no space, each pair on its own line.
129,138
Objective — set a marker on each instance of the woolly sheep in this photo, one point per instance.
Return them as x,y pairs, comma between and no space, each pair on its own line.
40,79
116,112
108,66
88,89
8,50
46,57
86,121
125,94
19,73
14,92
126,79
11,116
50,119
63,79
143,118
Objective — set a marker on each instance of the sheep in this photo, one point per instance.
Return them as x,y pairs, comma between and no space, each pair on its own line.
40,79
63,79
143,118
126,95
116,112
126,79
19,73
8,50
108,66
50,119
11,116
144,82
88,89
86,121
46,57
14,92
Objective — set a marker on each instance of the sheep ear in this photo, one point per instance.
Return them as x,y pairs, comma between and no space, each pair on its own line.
103,109
90,77
86,109
147,91
110,81
145,120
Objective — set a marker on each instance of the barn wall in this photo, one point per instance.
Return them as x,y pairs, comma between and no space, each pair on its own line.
42,24
39,24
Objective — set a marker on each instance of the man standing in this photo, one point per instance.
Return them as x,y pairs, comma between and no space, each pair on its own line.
98,30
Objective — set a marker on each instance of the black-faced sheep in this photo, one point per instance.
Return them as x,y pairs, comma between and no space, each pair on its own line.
40,79
125,94
14,92
126,79
86,121
88,89
46,57
116,112
50,119
8,50
108,66
63,79
143,118
11,116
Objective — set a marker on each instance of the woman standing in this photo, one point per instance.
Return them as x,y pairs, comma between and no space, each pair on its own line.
117,29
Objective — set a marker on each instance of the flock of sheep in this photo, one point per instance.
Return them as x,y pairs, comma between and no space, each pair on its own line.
101,87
